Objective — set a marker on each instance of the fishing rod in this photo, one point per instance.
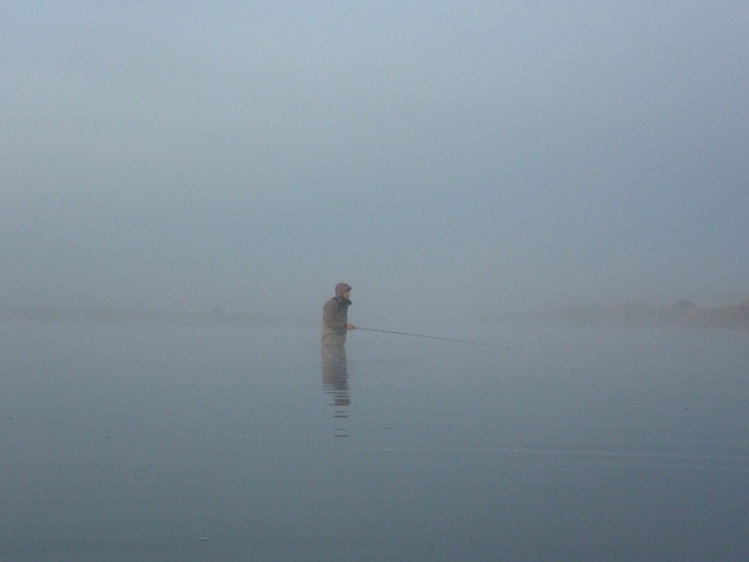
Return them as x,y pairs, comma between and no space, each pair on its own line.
432,337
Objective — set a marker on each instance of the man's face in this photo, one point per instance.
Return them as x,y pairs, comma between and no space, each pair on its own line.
346,294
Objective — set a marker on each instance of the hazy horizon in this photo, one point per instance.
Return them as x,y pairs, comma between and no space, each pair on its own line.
442,158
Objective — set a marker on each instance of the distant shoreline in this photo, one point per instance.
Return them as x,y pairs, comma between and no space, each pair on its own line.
681,313
115,316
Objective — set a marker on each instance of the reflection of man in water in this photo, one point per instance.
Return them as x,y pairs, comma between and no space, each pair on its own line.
335,317
335,375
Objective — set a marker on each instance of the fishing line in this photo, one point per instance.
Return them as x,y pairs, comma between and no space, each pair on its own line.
432,337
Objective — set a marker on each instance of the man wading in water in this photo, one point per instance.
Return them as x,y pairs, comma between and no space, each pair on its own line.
335,317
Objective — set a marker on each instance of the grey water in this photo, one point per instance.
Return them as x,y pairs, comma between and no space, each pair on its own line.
208,443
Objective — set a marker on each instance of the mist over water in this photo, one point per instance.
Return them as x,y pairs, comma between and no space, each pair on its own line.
183,184
445,160
233,442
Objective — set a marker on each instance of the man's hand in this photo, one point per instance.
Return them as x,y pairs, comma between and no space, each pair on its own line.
350,327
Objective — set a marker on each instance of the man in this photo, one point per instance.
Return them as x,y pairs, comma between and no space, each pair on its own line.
335,317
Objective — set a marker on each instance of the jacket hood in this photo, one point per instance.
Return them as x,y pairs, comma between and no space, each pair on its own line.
341,288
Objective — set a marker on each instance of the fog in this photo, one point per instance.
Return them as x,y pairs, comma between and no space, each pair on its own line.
442,158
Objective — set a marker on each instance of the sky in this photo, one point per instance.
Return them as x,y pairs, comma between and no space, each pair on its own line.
444,158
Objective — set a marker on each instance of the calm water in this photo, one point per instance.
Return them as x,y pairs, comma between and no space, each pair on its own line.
144,443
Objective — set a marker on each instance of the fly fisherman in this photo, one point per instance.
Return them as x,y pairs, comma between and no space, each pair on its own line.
335,317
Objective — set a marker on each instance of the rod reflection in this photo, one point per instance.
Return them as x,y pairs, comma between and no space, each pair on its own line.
335,383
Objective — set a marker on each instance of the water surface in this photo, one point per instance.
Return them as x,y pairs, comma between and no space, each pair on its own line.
247,443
